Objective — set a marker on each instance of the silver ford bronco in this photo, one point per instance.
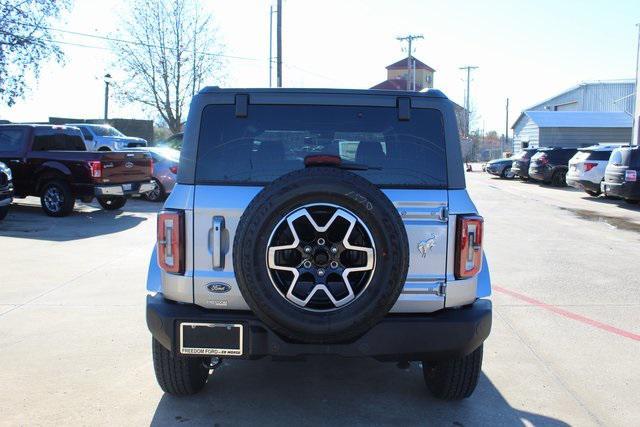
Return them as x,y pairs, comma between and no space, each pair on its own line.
319,221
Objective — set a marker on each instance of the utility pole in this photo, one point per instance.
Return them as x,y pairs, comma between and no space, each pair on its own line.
411,65
270,42
636,111
506,127
279,43
467,95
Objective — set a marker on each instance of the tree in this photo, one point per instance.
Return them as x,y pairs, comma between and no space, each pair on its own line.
171,49
25,42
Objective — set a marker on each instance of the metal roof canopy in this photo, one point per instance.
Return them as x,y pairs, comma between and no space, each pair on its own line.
580,119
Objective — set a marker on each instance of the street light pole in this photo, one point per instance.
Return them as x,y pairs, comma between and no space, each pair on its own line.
107,79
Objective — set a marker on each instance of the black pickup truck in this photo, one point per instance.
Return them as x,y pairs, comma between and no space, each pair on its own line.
52,162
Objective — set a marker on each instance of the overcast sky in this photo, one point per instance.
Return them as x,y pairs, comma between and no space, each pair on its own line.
525,50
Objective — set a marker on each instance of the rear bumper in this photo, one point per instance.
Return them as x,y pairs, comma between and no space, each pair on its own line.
583,184
625,190
539,174
124,189
408,337
521,171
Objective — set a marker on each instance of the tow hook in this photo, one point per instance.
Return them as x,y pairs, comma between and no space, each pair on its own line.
213,364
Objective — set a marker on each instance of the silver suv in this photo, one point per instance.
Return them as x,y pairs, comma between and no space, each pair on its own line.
319,222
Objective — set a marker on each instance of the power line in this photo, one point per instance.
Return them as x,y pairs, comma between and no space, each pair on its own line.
118,40
132,42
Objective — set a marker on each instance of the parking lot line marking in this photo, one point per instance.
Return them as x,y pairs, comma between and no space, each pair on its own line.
568,314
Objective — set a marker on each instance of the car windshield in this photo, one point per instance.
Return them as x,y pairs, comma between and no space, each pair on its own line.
275,140
106,131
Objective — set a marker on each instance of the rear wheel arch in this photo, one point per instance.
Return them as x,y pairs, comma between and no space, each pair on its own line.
46,175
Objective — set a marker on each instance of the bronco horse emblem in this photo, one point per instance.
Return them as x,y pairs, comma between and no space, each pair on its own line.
425,246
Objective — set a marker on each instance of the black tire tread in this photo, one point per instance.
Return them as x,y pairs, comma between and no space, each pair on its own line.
4,210
178,375
117,202
454,379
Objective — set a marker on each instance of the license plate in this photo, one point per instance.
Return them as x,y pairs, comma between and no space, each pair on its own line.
126,187
215,339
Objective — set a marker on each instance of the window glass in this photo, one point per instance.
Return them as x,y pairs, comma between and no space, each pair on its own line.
106,131
599,155
12,140
275,139
86,133
51,139
616,157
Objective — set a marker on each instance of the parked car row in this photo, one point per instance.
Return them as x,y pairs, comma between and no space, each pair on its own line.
611,169
53,163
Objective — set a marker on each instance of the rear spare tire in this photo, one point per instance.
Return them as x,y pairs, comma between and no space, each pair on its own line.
320,255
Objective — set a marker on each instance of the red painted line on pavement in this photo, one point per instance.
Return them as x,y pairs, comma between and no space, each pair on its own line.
569,314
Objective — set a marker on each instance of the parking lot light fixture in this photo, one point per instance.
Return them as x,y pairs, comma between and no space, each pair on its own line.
107,81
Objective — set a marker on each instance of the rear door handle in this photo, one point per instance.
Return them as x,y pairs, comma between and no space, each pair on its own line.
216,242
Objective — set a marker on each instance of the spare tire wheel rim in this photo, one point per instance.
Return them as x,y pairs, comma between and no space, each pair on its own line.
321,267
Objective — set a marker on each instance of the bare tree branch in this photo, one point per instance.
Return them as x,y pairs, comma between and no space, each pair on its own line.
25,42
174,55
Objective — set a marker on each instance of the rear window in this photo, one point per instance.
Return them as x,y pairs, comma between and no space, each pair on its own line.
274,140
51,139
12,140
620,157
597,155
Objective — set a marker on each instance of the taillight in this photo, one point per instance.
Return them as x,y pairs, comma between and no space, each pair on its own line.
96,169
588,166
543,159
171,241
174,169
468,246
630,175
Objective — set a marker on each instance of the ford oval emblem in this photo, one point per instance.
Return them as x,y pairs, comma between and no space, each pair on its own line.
128,165
218,287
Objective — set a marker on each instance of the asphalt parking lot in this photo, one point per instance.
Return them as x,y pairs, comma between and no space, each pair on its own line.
74,347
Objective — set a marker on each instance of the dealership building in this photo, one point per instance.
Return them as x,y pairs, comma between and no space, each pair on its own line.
589,113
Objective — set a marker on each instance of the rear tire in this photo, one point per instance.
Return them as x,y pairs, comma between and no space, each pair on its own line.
111,203
632,201
158,194
178,375
56,198
505,173
453,379
4,210
592,193
559,179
